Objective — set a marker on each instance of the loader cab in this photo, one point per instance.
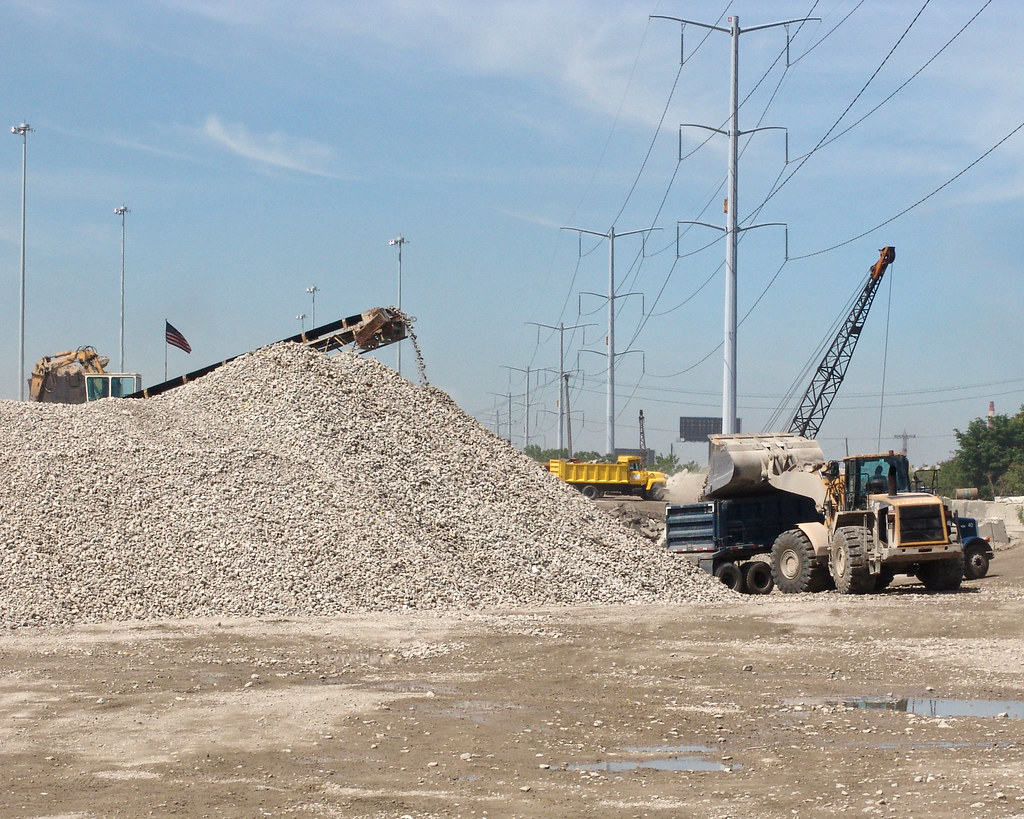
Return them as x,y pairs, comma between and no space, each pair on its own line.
875,475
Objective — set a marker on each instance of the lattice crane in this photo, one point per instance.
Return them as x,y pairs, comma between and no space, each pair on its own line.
831,371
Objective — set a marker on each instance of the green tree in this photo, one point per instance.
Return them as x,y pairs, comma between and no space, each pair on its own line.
1011,482
670,464
950,478
990,457
545,455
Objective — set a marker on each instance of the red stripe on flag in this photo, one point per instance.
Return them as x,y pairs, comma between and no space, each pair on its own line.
176,339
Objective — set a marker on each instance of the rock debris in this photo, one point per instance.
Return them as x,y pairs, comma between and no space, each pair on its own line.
288,482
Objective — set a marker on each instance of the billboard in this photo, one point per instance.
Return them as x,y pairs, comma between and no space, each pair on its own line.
698,428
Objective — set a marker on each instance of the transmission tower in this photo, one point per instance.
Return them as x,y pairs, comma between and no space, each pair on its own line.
563,407
904,436
610,352
729,422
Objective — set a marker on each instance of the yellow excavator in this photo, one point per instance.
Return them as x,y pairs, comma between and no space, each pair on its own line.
77,376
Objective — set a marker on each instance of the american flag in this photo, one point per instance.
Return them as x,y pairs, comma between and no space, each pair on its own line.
176,339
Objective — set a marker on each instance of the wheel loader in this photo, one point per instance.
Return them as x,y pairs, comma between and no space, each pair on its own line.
864,527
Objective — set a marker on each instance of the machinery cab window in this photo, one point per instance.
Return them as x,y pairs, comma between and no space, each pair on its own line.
870,476
111,386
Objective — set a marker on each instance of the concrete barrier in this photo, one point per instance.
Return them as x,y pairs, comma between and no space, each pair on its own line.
1002,520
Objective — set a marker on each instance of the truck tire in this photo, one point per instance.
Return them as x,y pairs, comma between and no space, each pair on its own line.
975,561
730,574
757,577
794,566
590,491
942,575
657,492
849,563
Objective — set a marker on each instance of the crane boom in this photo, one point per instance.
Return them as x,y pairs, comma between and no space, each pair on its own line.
826,381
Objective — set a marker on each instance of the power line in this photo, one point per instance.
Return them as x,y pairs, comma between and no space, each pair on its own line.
916,204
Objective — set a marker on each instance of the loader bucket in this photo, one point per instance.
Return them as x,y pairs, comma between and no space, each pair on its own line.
750,464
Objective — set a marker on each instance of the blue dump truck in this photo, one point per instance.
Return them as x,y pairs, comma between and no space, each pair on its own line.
726,537
977,550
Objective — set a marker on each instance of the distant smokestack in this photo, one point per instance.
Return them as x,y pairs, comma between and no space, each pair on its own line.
991,412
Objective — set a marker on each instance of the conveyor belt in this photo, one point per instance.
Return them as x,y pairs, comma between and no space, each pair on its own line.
366,331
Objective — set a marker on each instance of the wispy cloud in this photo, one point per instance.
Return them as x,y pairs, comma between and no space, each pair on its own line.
277,149
531,40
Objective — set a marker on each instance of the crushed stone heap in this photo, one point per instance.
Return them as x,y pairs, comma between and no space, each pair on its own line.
288,482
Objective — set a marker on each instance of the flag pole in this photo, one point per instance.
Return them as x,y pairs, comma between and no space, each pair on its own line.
165,349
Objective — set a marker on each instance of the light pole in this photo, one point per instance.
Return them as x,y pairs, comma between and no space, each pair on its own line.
401,240
312,292
122,211
301,318
22,131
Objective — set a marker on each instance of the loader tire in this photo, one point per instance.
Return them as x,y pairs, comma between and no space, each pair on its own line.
794,566
849,563
730,574
942,575
757,577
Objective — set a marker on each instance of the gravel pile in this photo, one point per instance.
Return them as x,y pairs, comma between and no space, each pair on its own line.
292,483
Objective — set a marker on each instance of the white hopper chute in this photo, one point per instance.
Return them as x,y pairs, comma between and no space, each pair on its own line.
745,464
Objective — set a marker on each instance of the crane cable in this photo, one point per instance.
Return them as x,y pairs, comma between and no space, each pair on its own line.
885,361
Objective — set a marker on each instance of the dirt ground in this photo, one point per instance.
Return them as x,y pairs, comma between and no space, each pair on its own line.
904,703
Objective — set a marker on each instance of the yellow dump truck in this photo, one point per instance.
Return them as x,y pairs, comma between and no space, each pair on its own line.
625,477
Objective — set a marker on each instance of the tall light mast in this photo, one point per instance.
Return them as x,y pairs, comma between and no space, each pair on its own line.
23,131
122,212
399,240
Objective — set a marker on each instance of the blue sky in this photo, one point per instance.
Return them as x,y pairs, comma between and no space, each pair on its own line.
263,148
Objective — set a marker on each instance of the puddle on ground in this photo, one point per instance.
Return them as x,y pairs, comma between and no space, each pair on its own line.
934,706
890,746
679,758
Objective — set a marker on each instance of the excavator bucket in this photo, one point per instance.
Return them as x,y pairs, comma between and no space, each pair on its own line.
60,378
745,464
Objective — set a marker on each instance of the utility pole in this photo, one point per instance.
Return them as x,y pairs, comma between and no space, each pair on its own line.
526,412
729,422
905,436
497,430
561,328
610,343
526,415
568,417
